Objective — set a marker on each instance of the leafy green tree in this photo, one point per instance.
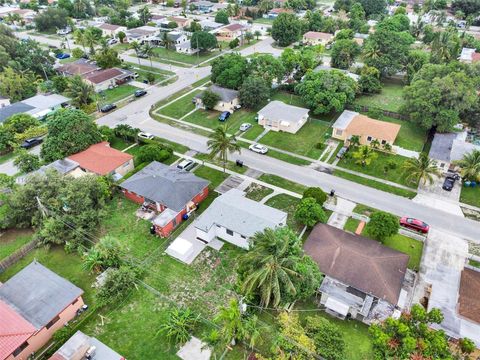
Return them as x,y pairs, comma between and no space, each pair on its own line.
286,29
91,38
149,50
446,47
234,43
137,47
7,139
293,339
396,23
253,91
19,123
107,253
229,70
230,320
309,212
470,164
26,162
153,152
107,58
221,144
468,7
315,193
144,14
415,61
69,131
329,340
51,19
126,132
17,85
299,62
344,53
345,34
267,67
180,324
222,17
373,6
422,169
382,225
364,155
203,40
369,81
79,91
118,283
210,99
326,91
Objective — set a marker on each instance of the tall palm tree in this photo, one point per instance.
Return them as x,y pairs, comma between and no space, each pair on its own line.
222,144
422,169
270,268
90,40
230,319
364,155
148,50
371,52
470,164
79,91
79,38
135,46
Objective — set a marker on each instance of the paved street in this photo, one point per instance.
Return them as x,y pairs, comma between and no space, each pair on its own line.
10,169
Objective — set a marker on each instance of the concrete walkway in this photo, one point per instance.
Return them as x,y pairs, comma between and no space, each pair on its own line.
264,132
404,152
269,196
340,216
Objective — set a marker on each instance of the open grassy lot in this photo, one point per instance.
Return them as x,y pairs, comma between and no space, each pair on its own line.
410,136
180,107
12,240
283,183
278,155
288,204
171,55
257,192
143,71
116,94
470,195
209,119
390,98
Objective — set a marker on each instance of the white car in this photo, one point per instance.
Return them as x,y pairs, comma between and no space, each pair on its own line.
112,41
186,165
245,126
64,31
145,135
260,149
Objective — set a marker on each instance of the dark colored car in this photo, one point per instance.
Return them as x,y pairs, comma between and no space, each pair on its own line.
140,93
108,107
414,224
29,143
224,116
342,152
448,183
62,56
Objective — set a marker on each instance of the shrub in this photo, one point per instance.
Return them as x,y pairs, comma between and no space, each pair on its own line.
309,212
153,152
117,284
382,225
210,99
316,193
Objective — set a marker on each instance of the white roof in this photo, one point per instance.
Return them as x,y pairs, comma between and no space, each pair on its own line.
42,102
237,213
180,246
337,306
283,112
344,120
467,54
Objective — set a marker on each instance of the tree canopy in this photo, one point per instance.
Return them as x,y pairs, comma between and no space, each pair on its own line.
51,19
253,91
344,52
309,212
16,85
286,29
382,225
267,67
229,70
203,41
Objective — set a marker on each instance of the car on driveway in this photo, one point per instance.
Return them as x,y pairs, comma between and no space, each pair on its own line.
112,41
62,56
245,126
448,183
260,149
108,107
414,224
186,165
140,93
224,116
341,153
29,143
145,135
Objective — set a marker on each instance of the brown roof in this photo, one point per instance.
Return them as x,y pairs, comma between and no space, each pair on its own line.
179,19
359,262
363,125
77,69
475,57
318,35
109,26
100,158
100,76
233,27
469,301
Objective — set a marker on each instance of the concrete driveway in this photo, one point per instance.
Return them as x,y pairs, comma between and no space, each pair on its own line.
436,189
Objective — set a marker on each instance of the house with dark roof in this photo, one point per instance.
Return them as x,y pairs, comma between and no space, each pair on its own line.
173,194
107,78
34,304
364,279
228,99
101,159
447,148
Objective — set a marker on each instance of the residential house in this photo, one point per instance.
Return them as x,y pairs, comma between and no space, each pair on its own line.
80,67
317,38
468,299
360,38
204,6
4,101
231,32
273,14
101,159
158,19
181,21
110,30
228,99
364,279
171,192
63,167
208,25
447,148
351,75
234,218
107,78
81,346
278,116
142,34
27,15
177,37
34,304
39,106
469,56
351,123
186,48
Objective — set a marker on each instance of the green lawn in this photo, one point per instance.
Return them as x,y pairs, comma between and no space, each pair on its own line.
180,107
214,176
474,263
116,94
470,195
390,98
12,240
143,70
279,155
253,132
364,210
119,143
282,183
410,136
230,165
413,248
287,204
171,55
257,192
209,119
7,156
351,225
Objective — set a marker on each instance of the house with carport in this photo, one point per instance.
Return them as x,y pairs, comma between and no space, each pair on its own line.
171,193
234,218
231,32
228,99
351,123
278,116
34,304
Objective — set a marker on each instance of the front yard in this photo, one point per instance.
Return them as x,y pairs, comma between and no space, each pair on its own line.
161,53
470,195
209,119
287,204
180,107
116,94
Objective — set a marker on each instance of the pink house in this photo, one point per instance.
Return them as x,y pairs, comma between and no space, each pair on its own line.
34,304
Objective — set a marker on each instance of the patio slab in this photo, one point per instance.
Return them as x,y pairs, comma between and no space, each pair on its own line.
186,247
194,349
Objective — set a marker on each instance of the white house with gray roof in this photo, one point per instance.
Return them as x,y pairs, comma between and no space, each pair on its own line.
278,116
448,148
234,218
82,346
228,99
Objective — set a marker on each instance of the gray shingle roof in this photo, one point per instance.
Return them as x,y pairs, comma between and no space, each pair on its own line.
13,109
244,216
461,148
277,110
226,95
344,119
442,146
38,294
166,185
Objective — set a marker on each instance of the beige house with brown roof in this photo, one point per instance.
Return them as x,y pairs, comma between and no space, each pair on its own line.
317,38
181,21
351,123
103,79
110,30
230,32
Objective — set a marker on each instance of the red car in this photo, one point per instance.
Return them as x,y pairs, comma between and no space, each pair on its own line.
414,224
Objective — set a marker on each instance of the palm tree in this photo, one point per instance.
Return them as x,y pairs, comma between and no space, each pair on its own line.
179,325
148,50
257,34
90,40
230,319
422,169
416,29
79,38
222,144
371,52
93,261
364,155
270,267
354,140
252,330
79,91
470,164
375,143
135,45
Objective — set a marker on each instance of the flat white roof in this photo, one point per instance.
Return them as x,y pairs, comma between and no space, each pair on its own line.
337,306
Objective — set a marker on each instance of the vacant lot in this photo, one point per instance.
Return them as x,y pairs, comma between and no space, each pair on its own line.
171,55
116,94
390,98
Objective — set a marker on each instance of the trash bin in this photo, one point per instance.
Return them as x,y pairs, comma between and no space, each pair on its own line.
332,192
152,230
185,217
239,163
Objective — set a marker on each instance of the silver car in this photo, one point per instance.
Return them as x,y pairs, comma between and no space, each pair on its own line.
259,149
245,126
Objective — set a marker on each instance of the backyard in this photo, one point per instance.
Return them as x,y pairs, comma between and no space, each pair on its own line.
390,98
12,240
287,204
410,136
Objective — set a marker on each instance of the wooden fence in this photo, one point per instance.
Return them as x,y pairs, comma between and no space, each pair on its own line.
17,255
365,109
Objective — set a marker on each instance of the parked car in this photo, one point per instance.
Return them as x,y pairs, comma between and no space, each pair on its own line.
224,116
186,165
135,75
245,126
237,107
259,149
145,135
140,93
108,107
414,224
64,31
112,41
62,56
29,143
143,56
342,152
448,183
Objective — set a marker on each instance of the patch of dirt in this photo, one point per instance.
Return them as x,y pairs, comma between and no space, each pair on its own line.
13,234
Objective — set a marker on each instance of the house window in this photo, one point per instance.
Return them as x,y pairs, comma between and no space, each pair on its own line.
369,138
52,322
20,348
338,132
126,164
243,237
229,232
384,142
